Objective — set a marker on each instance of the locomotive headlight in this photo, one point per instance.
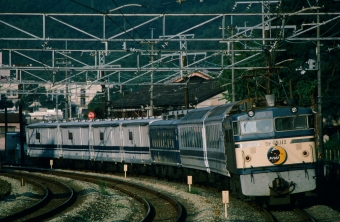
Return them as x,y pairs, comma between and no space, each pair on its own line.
294,109
248,158
305,153
251,113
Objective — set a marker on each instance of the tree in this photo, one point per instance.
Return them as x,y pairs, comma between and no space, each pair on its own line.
96,106
6,104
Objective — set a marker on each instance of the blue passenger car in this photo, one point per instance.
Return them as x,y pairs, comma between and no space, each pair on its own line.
164,142
202,140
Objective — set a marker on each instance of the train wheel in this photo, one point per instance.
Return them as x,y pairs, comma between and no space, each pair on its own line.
222,182
135,169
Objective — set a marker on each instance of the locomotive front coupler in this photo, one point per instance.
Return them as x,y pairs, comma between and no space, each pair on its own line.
281,187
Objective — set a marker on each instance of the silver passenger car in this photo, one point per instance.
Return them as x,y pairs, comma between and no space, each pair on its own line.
113,141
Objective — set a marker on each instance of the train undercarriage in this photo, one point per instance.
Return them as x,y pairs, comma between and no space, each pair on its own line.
171,173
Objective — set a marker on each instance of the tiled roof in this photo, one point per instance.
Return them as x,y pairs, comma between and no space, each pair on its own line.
170,95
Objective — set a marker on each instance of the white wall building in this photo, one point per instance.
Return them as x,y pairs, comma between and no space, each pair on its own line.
79,95
43,114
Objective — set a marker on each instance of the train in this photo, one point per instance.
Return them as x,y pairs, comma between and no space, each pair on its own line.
262,152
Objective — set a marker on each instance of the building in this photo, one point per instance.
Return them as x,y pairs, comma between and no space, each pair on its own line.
79,97
202,91
43,114
13,125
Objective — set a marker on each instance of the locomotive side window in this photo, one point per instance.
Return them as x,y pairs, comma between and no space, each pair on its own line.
311,121
235,128
291,123
256,126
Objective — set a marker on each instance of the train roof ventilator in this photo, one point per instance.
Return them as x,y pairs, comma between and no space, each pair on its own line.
270,99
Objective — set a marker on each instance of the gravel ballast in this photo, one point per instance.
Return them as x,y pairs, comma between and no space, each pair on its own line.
19,198
105,204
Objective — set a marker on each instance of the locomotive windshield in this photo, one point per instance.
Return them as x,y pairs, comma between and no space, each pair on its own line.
291,123
256,126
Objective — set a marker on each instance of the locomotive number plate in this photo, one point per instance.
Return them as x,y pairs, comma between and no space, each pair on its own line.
276,142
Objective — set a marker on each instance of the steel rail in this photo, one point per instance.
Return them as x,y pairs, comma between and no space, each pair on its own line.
44,202
92,179
305,215
32,208
150,210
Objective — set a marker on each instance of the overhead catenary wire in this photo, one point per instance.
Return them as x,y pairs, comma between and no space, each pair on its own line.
164,65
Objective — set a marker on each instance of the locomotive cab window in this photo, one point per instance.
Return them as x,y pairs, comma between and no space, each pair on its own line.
291,123
256,126
37,136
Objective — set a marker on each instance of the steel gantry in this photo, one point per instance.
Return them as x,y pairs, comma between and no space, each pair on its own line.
38,48
102,42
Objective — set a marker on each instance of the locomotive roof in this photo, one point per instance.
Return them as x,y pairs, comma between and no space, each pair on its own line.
272,112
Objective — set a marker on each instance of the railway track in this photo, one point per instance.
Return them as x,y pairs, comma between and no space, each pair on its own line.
296,215
155,205
152,207
306,216
53,198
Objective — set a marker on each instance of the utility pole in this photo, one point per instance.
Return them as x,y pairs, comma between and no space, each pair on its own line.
21,122
232,63
185,80
183,62
230,45
102,74
319,133
66,93
151,86
66,88
151,43
6,122
56,106
266,48
184,74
